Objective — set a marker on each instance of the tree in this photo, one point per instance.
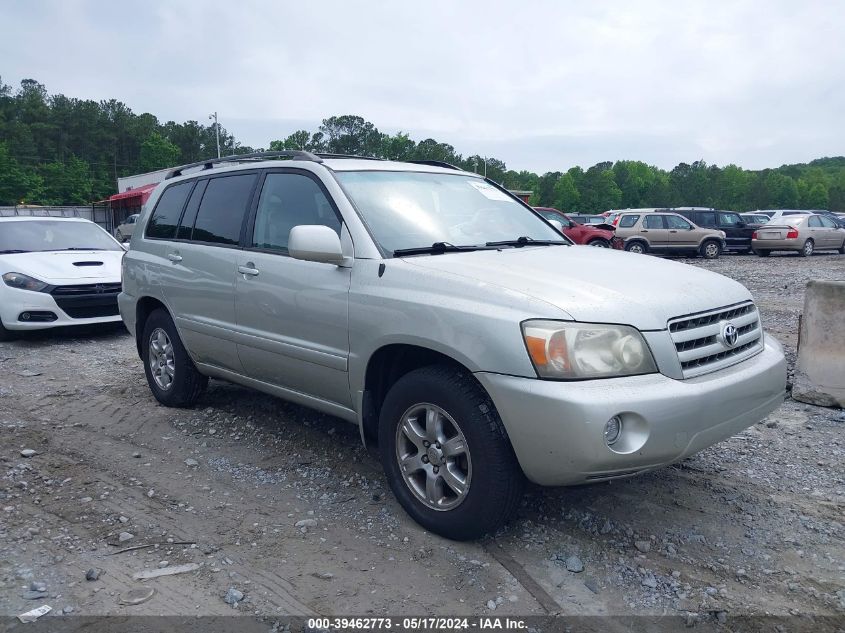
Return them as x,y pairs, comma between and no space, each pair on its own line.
598,189
67,183
567,196
818,197
157,153
782,192
350,134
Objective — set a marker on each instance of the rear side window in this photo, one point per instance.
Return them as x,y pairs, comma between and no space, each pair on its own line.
222,210
814,221
706,219
162,224
628,221
827,222
653,222
186,227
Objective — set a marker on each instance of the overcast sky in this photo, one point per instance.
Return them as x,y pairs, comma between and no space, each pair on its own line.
542,85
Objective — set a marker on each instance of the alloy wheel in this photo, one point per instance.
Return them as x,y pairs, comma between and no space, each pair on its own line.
161,359
433,456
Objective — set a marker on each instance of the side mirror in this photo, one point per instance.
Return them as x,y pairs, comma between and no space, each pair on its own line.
557,225
315,243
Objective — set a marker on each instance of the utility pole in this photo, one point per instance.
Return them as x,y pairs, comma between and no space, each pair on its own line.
213,116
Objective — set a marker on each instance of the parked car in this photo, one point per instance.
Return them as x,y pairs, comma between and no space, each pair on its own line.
668,233
581,233
612,217
425,304
804,234
587,219
736,230
56,272
755,218
779,214
124,230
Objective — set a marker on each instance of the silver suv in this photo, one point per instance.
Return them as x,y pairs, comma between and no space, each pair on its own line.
434,310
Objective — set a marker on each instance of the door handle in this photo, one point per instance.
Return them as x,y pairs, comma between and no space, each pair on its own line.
644,231
248,269
673,231
174,257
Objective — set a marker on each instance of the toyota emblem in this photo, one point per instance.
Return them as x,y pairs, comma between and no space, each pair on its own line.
730,334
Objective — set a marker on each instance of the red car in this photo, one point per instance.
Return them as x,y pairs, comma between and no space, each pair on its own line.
582,233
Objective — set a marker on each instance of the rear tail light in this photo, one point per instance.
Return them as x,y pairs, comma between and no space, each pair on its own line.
615,221
792,234
754,235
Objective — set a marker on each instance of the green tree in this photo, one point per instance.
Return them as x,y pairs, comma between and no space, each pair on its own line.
157,153
567,196
818,197
67,183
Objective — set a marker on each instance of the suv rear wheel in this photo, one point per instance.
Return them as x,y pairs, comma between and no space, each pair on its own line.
447,455
842,248
171,374
711,249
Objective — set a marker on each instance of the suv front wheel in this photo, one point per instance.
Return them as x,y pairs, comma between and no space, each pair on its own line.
711,249
447,455
171,374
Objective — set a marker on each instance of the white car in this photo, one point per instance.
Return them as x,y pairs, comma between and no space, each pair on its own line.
56,272
124,230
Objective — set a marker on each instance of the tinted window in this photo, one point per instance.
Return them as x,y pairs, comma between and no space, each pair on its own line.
653,222
628,221
289,200
676,222
706,219
165,216
815,221
223,208
828,222
190,215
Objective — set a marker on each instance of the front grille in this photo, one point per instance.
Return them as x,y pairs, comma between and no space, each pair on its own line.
700,342
88,301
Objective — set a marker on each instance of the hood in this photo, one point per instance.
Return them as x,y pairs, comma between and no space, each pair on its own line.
596,284
65,267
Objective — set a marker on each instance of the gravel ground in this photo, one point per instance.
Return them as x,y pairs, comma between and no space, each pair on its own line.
251,504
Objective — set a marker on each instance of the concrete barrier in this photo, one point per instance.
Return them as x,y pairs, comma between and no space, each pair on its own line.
820,371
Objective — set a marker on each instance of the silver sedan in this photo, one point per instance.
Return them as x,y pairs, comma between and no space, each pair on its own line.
804,234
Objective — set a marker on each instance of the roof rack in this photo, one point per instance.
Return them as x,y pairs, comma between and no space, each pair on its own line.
435,163
330,155
210,163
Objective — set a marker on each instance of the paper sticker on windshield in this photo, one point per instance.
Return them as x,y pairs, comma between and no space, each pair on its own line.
490,192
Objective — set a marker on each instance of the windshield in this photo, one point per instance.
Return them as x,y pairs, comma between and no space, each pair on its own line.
407,210
53,235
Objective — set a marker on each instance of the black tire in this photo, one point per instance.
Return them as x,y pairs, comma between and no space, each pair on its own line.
119,237
599,242
710,249
5,335
497,482
763,253
807,249
187,383
842,249
636,246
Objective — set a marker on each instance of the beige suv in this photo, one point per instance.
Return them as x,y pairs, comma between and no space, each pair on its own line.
668,233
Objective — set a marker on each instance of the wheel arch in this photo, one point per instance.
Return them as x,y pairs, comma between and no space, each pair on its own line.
143,309
386,366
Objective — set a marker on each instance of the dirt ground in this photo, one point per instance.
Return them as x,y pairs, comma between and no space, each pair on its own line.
286,507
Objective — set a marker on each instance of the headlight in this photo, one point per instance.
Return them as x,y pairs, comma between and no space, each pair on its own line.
571,351
23,282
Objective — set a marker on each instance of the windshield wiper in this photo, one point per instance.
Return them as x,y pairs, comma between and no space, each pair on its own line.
78,248
13,251
438,248
527,241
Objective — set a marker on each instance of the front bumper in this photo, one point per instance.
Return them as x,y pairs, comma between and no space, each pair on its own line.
557,428
15,302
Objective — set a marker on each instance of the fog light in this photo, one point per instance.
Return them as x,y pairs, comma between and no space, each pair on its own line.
612,430
25,316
